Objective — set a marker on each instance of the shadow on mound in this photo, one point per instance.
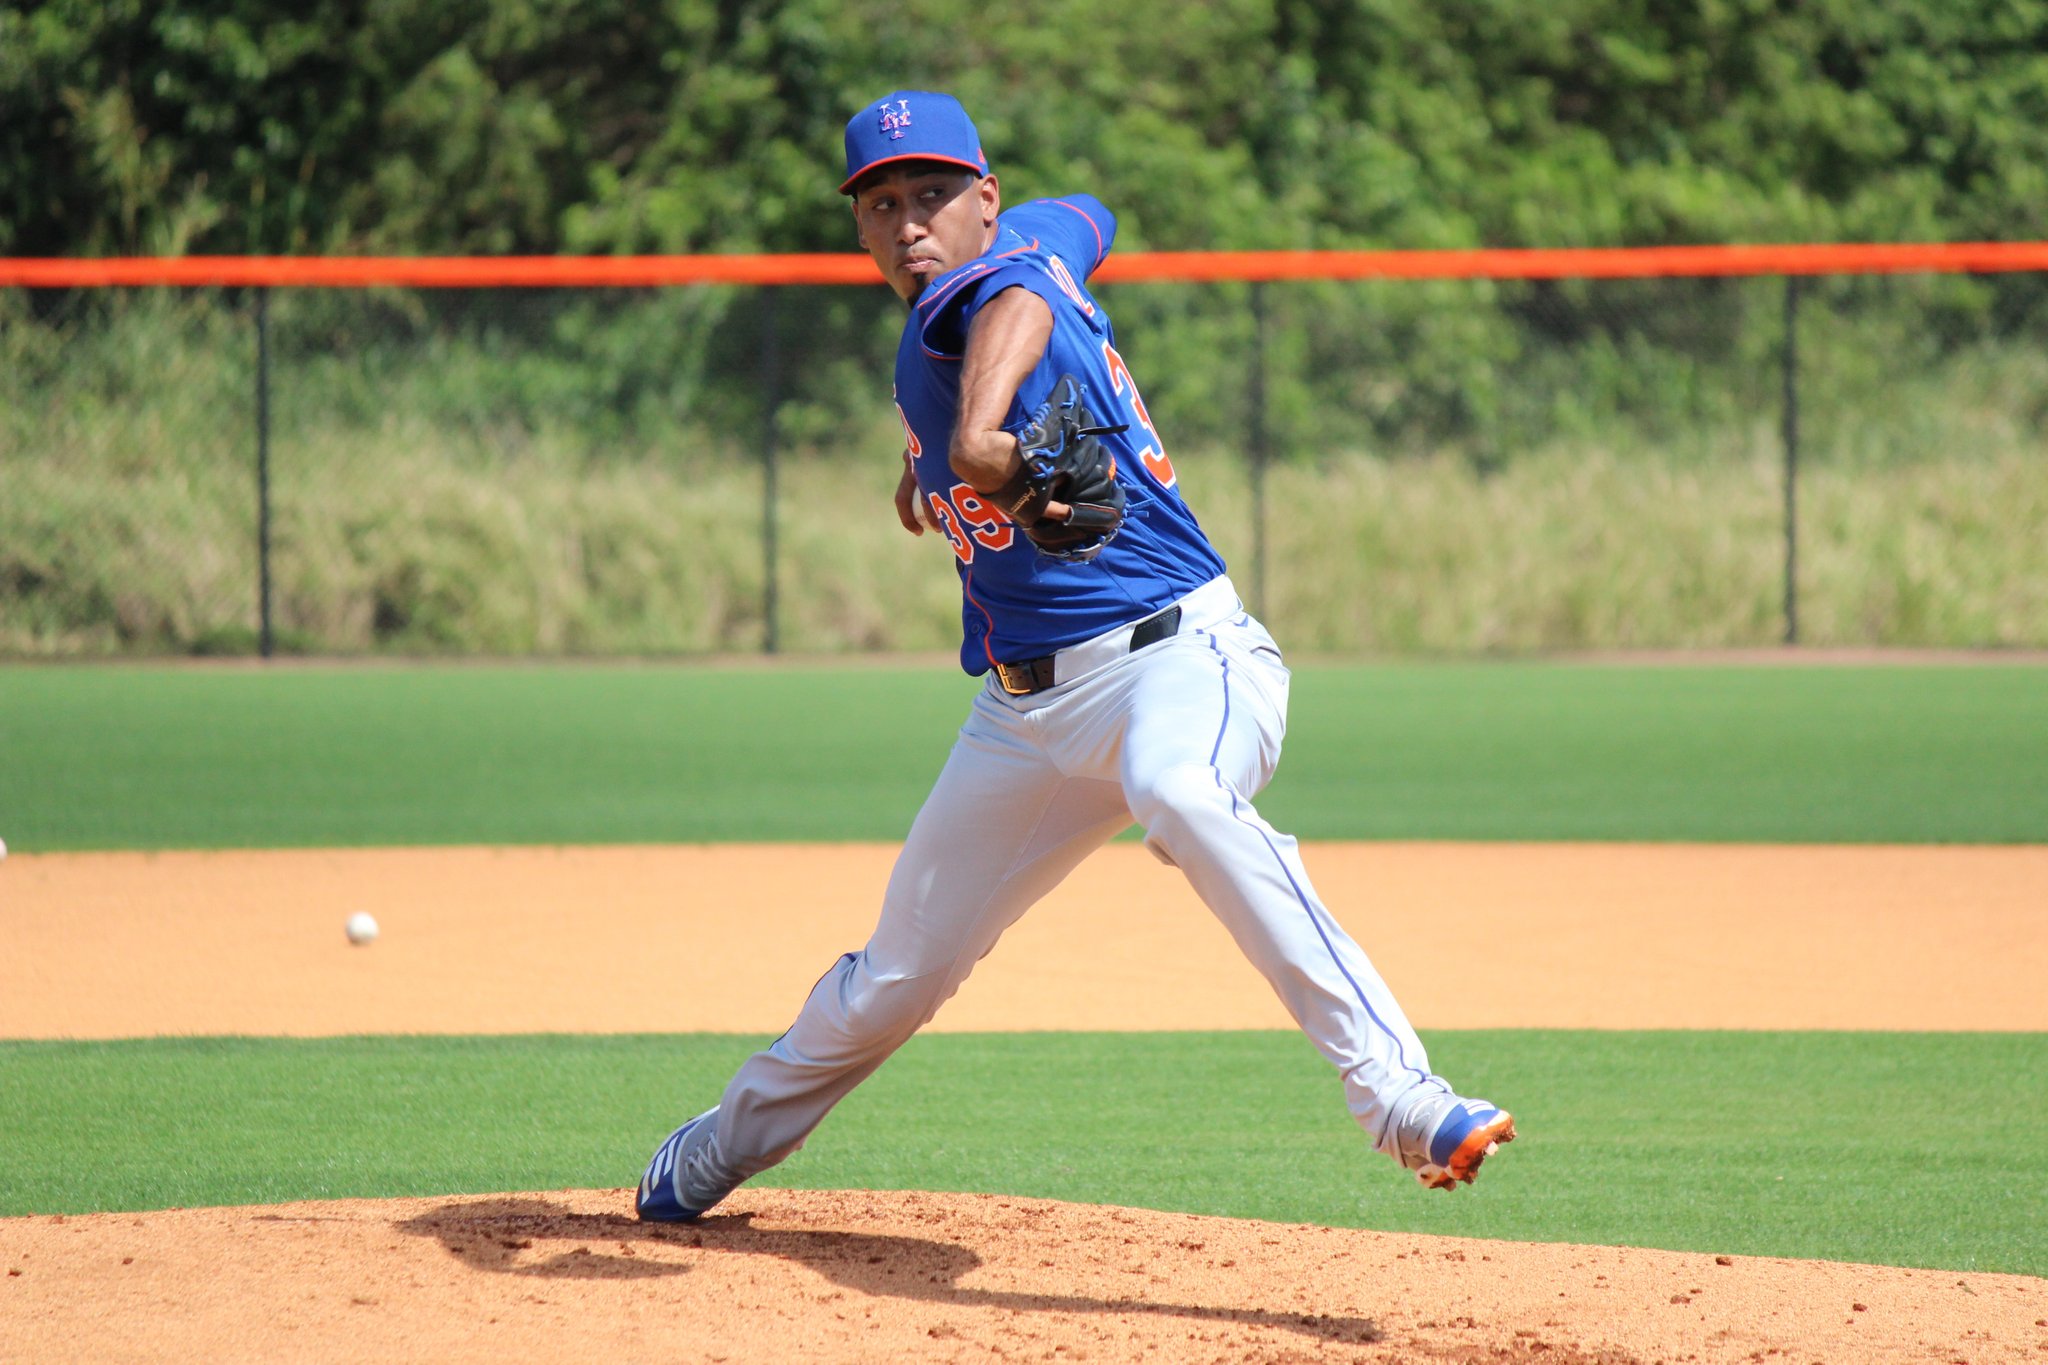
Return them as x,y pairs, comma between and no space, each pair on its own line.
503,1235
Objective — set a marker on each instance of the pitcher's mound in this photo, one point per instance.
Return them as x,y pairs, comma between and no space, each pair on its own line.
856,1276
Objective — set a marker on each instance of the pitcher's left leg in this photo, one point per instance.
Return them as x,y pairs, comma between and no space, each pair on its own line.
1206,716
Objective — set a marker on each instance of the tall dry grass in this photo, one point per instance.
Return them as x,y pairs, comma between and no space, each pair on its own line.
546,517
1566,549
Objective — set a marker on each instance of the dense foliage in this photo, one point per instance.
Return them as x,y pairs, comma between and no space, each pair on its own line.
450,126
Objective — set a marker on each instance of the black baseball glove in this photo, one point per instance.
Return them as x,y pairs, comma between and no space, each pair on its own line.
1065,463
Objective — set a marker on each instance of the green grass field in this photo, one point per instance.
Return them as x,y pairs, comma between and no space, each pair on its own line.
142,757
1759,1143
1908,1149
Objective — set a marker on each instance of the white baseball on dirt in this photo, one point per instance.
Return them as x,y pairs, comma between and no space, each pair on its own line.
3,848
362,928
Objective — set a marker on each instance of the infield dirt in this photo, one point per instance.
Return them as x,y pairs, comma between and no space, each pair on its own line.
730,937
502,940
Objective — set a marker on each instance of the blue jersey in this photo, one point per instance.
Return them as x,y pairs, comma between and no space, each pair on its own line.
1017,603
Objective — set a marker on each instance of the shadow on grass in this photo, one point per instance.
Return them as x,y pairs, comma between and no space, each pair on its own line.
525,1236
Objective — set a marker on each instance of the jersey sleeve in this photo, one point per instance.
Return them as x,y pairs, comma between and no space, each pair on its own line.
1047,239
1076,228
944,319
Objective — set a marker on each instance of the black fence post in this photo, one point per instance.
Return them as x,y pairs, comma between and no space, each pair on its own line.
1259,452
1791,437
771,391
265,641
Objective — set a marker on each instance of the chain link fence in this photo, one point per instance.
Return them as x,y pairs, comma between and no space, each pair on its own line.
1437,466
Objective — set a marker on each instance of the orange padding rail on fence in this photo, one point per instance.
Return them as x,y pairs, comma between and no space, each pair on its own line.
470,272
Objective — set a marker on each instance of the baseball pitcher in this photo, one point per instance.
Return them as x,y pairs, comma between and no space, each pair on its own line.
1124,679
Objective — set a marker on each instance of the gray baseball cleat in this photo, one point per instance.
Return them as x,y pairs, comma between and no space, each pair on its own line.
1443,1138
685,1178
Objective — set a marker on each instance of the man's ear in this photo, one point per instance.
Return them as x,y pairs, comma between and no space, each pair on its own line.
991,200
860,240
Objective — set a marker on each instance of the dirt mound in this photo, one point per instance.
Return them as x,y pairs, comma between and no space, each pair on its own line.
858,1276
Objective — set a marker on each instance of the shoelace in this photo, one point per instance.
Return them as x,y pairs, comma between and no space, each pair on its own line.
1417,1123
697,1167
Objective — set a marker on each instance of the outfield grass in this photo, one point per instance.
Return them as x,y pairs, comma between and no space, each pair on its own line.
1894,1149
151,757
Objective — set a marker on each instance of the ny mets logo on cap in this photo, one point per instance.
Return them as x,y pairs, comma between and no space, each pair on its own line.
886,131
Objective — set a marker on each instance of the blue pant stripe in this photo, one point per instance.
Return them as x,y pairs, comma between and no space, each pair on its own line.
1237,807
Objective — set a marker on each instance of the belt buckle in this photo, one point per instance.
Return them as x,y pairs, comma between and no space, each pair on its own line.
1023,675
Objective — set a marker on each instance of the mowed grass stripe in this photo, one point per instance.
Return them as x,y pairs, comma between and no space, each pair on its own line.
1904,1149
154,757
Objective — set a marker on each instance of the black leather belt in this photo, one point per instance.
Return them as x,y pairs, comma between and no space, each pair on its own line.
1022,678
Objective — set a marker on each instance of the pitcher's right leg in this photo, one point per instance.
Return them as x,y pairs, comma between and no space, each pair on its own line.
1000,829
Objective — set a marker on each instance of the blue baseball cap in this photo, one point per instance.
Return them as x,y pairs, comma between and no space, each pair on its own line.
911,125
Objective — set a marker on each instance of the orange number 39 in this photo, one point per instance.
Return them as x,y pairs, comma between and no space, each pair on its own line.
969,520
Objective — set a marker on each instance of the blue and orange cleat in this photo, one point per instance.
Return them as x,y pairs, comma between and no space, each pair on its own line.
1443,1138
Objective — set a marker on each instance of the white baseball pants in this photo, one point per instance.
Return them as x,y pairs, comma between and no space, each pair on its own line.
1179,736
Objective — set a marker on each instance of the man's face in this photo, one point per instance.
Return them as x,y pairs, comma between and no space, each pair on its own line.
920,219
